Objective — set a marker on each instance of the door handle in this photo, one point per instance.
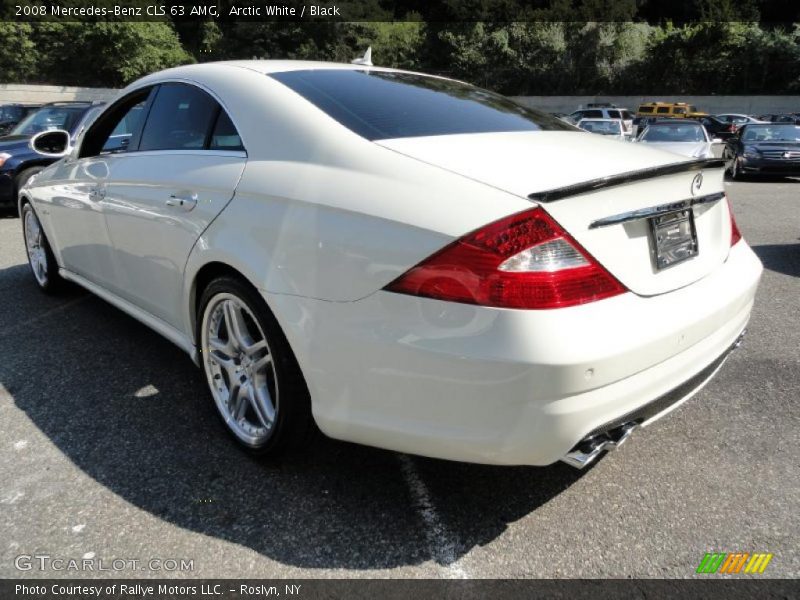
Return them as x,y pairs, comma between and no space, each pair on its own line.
186,202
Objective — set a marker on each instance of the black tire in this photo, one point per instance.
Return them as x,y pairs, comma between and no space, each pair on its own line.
23,176
736,174
293,426
47,279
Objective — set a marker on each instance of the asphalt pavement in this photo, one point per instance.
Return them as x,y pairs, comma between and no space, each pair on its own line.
109,449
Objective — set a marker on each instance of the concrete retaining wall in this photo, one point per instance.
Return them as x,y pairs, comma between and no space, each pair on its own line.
13,92
750,105
16,92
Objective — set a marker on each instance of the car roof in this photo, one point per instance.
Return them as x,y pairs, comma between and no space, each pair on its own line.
281,66
266,67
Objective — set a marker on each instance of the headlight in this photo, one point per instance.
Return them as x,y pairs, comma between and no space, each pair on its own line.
751,152
4,156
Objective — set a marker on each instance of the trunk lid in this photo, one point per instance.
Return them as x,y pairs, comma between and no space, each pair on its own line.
527,163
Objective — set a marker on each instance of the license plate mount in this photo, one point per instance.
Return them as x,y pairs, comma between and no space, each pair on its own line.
673,238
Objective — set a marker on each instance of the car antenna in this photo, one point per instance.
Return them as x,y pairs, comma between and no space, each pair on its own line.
365,60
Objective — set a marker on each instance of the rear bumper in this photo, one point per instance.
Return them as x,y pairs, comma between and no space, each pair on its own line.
507,386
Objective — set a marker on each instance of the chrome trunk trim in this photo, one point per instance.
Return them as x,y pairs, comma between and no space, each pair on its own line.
654,211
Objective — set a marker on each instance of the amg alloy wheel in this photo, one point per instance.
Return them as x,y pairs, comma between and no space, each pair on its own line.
40,256
251,372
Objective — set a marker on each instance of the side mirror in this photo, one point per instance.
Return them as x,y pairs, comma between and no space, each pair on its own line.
54,143
717,141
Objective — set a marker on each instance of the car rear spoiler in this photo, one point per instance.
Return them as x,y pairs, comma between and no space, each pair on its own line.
592,185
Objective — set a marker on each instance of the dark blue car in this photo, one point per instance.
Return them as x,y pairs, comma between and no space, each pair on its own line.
18,161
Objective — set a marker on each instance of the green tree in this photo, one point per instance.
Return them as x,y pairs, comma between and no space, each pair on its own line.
19,58
110,54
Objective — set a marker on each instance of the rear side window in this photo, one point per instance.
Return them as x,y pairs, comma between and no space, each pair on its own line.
384,105
180,119
646,109
225,136
663,110
613,114
593,114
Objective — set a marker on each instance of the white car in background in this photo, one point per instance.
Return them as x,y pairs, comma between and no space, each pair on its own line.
611,128
738,119
469,280
681,136
604,112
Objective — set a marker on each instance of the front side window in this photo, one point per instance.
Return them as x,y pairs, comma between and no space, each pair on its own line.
181,118
646,109
384,105
120,138
663,110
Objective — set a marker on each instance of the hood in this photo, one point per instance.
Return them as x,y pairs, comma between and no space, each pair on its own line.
530,161
690,149
14,142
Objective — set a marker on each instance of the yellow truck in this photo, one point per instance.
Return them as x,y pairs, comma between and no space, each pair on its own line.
669,109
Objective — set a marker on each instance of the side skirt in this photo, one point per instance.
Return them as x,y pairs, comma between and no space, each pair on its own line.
180,339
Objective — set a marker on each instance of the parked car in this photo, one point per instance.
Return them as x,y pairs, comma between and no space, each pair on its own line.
680,110
685,137
764,149
18,160
613,128
737,119
11,114
402,277
604,113
781,118
719,129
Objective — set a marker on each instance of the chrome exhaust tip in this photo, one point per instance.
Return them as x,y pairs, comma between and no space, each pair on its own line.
587,451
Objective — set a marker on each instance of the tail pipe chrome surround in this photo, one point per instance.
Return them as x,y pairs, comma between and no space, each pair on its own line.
589,449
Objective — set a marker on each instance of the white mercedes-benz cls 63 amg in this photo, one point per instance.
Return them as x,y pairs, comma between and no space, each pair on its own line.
404,260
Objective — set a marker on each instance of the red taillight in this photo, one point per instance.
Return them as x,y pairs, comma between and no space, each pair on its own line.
736,235
526,260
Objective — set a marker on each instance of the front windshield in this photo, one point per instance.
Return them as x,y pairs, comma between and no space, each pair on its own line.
678,132
601,127
771,133
9,113
51,117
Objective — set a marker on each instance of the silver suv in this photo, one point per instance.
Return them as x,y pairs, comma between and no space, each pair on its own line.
605,112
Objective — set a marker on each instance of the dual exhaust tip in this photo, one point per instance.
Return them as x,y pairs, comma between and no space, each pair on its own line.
587,451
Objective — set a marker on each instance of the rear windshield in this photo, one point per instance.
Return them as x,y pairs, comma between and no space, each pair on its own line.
674,132
383,105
